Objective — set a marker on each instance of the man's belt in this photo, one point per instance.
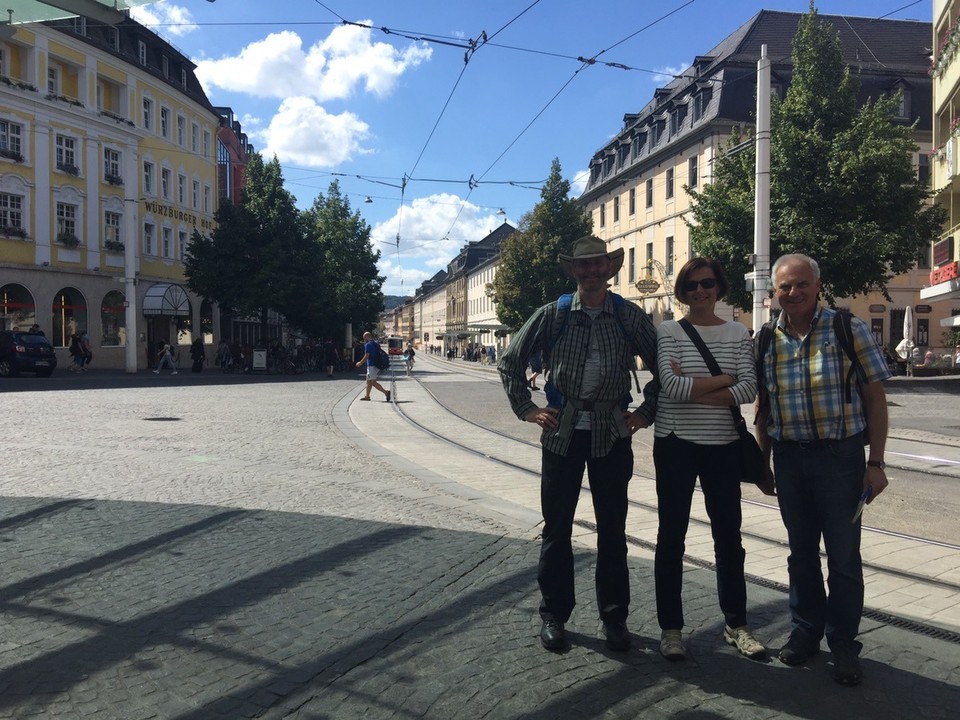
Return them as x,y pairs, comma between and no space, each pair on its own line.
593,405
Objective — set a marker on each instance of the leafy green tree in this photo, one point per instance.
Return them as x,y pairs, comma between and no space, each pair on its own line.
348,262
529,274
257,258
843,186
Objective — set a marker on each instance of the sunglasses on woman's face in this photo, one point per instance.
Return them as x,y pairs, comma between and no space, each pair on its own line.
707,284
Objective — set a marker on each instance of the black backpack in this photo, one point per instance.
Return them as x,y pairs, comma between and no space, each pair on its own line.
382,360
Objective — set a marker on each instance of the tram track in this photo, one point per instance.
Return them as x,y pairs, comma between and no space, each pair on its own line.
517,454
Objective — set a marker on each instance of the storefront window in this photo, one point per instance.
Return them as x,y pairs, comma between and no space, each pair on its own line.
206,321
16,307
113,320
69,316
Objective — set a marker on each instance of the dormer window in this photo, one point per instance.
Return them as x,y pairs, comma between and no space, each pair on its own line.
142,52
165,66
80,25
902,110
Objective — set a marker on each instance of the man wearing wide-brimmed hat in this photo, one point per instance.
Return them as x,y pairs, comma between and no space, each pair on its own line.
588,352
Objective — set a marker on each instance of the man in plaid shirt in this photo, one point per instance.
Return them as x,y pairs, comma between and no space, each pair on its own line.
818,460
589,363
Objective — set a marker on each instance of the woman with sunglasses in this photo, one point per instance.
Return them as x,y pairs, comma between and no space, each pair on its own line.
695,437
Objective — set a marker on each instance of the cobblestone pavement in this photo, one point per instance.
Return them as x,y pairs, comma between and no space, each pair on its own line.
192,549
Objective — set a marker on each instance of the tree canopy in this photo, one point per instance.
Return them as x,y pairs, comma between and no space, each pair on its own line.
315,268
529,274
843,188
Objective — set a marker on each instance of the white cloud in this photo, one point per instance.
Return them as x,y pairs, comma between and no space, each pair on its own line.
579,183
431,235
304,133
667,74
278,66
165,18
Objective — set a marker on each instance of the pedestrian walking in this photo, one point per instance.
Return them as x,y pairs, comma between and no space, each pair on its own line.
198,354
370,350
813,417
165,357
589,364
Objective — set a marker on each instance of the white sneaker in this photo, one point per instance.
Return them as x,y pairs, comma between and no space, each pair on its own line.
156,372
174,372
671,645
743,640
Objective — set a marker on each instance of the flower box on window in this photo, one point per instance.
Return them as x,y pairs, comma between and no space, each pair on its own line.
10,82
63,98
114,245
68,239
14,231
117,118
11,155
113,179
68,168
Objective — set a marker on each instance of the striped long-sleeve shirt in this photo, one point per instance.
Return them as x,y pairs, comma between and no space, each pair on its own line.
566,367
732,348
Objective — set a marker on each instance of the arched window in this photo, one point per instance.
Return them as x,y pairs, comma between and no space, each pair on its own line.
69,316
17,307
113,320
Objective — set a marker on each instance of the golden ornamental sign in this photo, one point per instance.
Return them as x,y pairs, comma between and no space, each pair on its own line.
647,285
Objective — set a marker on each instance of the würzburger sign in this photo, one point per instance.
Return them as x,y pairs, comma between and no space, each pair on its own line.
175,214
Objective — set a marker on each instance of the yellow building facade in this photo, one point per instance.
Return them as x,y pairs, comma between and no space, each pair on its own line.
107,166
943,283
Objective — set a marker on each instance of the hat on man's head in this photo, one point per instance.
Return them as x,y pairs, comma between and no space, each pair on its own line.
589,247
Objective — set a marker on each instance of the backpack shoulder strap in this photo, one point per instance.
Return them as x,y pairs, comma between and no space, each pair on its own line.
844,333
559,324
764,339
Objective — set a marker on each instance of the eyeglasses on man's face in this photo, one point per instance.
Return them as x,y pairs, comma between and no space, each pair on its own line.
707,284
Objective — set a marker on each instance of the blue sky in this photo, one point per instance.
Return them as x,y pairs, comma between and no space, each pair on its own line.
313,82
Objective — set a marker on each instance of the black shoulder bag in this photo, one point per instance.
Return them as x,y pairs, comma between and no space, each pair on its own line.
753,465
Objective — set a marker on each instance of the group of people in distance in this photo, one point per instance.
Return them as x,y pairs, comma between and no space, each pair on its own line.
804,420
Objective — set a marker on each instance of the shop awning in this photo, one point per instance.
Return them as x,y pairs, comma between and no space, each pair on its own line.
166,299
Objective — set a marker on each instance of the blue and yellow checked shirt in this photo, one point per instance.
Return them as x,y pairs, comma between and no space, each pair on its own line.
806,380
567,359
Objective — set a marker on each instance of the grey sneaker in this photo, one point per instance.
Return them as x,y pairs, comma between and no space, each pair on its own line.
671,645
744,641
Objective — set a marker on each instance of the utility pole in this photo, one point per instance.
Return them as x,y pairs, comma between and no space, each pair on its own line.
759,279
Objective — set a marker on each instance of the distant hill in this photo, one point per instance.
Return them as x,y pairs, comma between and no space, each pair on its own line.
391,301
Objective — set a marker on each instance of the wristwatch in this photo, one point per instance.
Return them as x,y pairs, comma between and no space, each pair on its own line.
877,464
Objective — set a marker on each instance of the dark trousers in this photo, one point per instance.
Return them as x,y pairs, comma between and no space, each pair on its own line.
678,464
561,478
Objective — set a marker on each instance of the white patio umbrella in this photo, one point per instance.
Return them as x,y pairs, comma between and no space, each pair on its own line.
905,347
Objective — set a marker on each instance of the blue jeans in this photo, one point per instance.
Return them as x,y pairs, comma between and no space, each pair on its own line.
819,485
561,478
679,462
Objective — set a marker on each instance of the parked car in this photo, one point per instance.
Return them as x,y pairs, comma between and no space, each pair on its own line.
25,352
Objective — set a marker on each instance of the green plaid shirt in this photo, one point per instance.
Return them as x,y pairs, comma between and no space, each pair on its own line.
566,365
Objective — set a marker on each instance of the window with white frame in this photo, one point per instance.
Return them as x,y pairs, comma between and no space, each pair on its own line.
669,183
181,130
167,249
165,66
632,202
649,192
669,258
66,153
631,265
11,138
147,113
183,78
165,122
114,38
195,137
80,25
207,193
111,166
165,183
142,52
182,189
66,220
616,208
603,214
111,230
99,93
148,239
196,195
693,171
53,80
148,178
11,211
206,143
